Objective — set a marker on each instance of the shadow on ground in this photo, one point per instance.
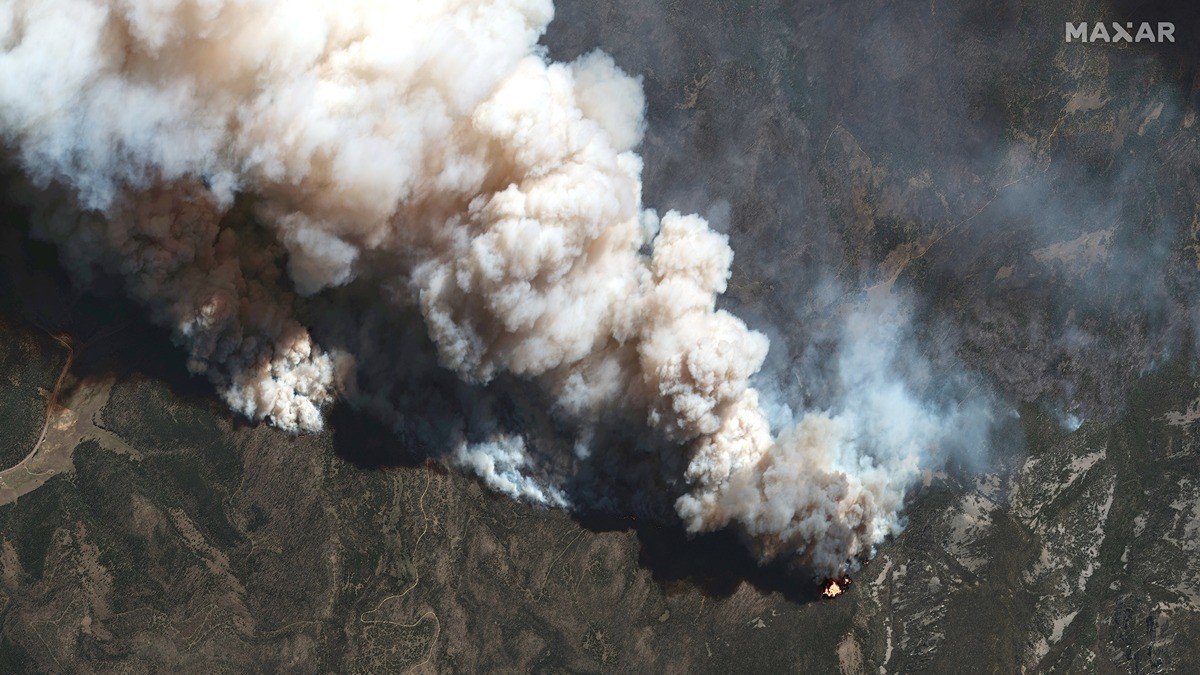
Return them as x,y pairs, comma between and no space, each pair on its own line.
114,341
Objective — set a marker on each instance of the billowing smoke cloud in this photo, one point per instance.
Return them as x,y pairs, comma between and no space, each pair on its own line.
433,151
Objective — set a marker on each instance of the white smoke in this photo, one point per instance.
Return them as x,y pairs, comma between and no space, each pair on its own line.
430,149
499,462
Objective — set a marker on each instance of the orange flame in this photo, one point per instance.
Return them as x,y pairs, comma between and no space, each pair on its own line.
835,587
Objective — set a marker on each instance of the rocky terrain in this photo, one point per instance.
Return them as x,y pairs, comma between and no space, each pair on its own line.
1033,202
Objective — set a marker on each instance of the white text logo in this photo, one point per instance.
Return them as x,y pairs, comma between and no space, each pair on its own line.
1117,32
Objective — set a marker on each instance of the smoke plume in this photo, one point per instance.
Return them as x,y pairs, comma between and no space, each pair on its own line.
432,152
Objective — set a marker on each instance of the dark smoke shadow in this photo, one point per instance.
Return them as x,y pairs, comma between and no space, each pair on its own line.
370,445
715,564
615,488
110,336
113,341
